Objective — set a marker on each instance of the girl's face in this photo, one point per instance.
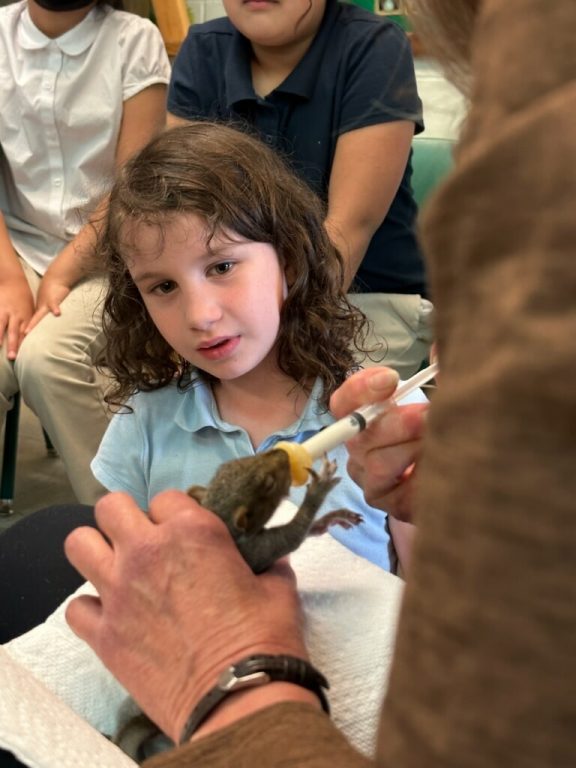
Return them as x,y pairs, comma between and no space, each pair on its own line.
62,6
275,23
217,304
57,18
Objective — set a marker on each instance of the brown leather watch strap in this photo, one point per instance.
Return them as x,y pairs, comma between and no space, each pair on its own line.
254,671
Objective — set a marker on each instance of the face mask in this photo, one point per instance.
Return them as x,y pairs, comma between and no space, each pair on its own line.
63,5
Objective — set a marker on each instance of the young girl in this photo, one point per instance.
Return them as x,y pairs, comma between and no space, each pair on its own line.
227,327
331,87
83,86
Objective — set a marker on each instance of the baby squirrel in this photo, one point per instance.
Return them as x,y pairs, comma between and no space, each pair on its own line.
245,493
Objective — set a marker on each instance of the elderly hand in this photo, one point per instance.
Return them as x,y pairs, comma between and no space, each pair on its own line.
177,604
383,456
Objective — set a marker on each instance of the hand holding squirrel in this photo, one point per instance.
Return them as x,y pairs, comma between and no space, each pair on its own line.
157,578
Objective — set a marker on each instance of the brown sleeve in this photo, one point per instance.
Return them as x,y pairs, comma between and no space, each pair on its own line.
289,735
485,666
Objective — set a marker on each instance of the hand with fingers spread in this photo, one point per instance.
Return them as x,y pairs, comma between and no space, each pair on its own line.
177,604
382,457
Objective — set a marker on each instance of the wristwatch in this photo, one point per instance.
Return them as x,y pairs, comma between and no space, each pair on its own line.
252,672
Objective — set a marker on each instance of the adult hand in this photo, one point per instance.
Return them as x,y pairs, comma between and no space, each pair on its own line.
177,603
383,456
16,309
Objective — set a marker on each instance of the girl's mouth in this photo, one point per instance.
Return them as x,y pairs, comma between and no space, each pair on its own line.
259,3
219,348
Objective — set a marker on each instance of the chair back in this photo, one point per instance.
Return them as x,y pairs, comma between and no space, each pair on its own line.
173,22
431,160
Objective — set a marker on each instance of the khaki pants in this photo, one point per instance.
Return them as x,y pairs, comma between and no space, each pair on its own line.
401,327
55,373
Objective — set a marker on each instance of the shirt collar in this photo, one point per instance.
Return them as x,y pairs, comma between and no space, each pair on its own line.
72,43
237,70
198,410
300,82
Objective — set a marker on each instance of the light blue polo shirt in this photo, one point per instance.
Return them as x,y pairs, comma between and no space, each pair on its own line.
175,439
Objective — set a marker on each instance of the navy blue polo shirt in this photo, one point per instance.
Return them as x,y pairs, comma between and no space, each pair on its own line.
358,71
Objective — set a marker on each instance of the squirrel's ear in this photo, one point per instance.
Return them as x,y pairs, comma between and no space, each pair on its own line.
197,492
240,517
269,483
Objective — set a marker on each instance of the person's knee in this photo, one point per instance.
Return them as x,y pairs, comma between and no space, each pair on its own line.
34,357
45,360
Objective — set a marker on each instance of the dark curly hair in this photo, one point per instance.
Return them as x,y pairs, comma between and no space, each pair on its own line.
235,183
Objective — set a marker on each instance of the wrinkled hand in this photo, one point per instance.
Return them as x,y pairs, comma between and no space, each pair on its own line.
177,602
382,457
16,309
51,294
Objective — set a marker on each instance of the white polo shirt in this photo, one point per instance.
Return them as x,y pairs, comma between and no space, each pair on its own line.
60,114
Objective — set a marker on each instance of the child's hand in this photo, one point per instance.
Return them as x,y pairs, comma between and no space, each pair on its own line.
177,602
382,457
16,309
51,294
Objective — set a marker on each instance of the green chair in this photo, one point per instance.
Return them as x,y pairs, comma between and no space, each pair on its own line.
8,476
9,458
432,159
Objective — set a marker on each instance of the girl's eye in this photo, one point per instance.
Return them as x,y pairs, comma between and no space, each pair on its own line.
222,267
166,287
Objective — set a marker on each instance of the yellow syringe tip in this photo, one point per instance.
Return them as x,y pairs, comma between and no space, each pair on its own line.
299,459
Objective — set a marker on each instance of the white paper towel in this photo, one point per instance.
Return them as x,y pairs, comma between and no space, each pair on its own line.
351,608
42,731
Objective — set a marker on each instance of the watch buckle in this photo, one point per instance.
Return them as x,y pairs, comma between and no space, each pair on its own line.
229,680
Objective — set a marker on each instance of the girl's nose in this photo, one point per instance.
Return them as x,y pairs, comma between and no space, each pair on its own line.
202,309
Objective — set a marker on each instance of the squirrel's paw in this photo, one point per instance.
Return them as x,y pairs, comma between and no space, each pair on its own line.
323,480
341,517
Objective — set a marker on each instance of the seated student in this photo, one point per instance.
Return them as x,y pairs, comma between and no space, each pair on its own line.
83,86
332,87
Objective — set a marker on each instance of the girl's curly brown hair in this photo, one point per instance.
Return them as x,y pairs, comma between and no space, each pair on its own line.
235,183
